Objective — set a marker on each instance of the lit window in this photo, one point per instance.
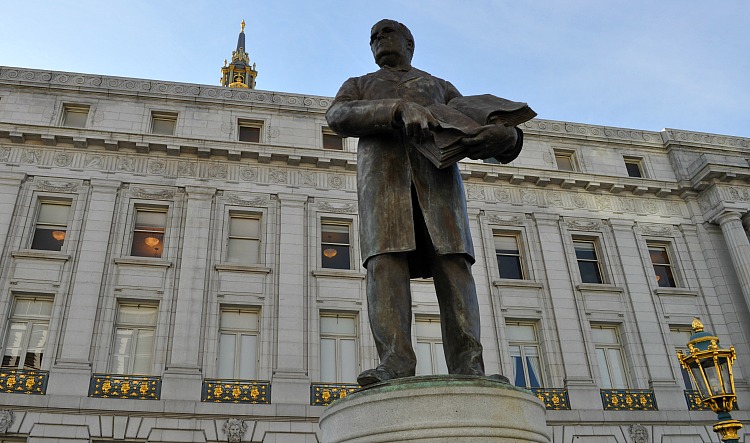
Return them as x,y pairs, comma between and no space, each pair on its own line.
609,356
133,345
662,265
238,344
588,260
51,226
148,232
335,245
249,130
430,354
508,256
338,348
243,244
163,123
566,161
27,333
75,116
524,351
680,335
634,167
332,141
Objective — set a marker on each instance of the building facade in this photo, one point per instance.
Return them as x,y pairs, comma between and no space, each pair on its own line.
180,263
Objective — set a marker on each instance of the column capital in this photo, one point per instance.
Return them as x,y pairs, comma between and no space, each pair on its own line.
12,178
104,185
727,216
199,192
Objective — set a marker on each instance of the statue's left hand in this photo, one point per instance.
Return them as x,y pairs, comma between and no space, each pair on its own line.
489,139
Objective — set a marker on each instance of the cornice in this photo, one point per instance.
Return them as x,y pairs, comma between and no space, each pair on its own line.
701,139
157,88
593,132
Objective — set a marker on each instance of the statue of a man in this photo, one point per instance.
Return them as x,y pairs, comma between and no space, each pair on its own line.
412,216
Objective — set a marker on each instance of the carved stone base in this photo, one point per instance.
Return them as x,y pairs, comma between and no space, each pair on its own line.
436,409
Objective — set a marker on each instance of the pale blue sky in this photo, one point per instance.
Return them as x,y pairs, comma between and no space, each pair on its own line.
642,64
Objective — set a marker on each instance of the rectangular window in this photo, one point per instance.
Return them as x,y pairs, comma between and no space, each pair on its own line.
163,123
680,335
662,265
148,232
338,348
335,244
430,354
566,161
609,356
523,345
75,116
238,344
133,345
249,130
332,141
243,244
27,333
588,260
51,226
634,167
508,255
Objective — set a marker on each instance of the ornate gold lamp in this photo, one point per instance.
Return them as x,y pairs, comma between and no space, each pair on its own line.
711,370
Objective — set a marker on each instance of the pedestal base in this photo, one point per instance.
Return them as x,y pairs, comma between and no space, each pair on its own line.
436,409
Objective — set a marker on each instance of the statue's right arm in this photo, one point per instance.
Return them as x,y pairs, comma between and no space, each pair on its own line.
352,114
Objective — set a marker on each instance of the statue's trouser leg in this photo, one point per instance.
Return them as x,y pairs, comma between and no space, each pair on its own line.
459,313
389,308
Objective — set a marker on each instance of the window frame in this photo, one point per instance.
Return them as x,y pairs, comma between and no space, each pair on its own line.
338,338
328,132
163,116
522,344
36,226
520,256
598,252
674,330
135,231
247,215
437,353
568,154
30,321
671,269
250,123
238,333
328,221
606,347
111,365
638,162
74,108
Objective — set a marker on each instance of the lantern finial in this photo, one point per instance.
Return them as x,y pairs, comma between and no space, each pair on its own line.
697,325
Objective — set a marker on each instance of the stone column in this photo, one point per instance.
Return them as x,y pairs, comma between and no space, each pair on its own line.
182,378
72,370
291,383
10,185
739,248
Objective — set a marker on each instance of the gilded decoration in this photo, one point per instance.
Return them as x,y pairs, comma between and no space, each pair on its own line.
138,387
628,400
23,381
323,394
694,401
553,399
236,391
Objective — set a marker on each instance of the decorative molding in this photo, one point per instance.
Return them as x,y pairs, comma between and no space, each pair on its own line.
657,230
235,199
348,208
705,139
506,220
277,176
249,174
236,391
739,194
590,131
583,224
336,181
235,430
125,386
502,195
323,394
151,194
6,420
554,399
56,186
628,400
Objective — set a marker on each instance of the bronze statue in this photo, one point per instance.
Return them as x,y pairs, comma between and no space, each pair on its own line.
412,215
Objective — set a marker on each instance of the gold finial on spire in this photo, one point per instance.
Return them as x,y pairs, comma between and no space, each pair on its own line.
243,26
697,325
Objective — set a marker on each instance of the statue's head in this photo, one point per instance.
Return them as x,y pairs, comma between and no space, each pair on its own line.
391,43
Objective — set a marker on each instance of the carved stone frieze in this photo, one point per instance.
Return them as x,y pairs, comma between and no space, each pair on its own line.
739,194
336,181
590,131
657,230
277,176
56,186
156,166
502,195
249,174
583,224
31,156
348,208
506,220
218,170
308,178
187,169
125,164
235,199
63,159
475,193
151,194
4,154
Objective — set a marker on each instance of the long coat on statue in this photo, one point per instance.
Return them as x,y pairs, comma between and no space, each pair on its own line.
405,202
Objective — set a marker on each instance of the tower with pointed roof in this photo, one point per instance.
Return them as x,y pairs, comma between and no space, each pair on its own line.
239,73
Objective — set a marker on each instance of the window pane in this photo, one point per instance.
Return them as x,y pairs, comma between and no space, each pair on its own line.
334,233
617,372
634,169
163,126
603,370
519,376
337,325
424,358
46,239
589,272
137,315
428,329
14,345
585,250
534,368
604,335
348,357
243,320
658,255
564,162
332,141
35,349
248,356
335,257
241,250
506,244
327,360
664,276
53,214
75,117
144,352
441,367
150,220
226,355
244,227
249,134
121,350
509,267
521,333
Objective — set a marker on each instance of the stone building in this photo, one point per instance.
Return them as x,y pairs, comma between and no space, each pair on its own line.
180,264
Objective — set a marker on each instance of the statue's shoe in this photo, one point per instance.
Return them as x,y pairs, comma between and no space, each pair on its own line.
372,376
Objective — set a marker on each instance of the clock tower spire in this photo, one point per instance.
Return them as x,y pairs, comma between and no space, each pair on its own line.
239,73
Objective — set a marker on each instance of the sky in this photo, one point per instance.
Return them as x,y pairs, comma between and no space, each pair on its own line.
639,64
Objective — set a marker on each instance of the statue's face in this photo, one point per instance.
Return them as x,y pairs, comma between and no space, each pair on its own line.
389,46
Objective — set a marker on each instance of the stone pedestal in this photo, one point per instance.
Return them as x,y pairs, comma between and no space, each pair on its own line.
436,409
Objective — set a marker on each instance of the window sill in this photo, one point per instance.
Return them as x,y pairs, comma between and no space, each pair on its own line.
679,292
41,254
517,283
143,261
255,269
340,273
599,287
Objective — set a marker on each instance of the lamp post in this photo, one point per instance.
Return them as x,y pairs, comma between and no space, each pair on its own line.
711,370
